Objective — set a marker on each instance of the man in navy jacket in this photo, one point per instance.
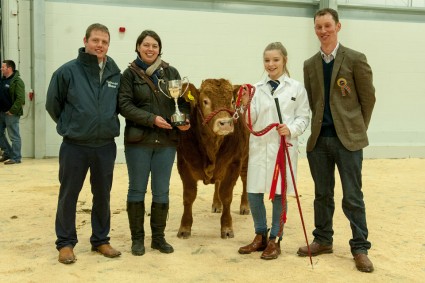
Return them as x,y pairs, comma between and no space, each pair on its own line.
82,100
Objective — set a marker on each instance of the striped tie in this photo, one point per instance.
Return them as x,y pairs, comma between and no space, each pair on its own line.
274,84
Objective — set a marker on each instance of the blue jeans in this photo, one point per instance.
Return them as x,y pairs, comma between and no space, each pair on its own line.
74,163
329,152
11,124
258,211
143,161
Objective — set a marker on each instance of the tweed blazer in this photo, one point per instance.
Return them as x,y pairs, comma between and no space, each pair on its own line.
351,107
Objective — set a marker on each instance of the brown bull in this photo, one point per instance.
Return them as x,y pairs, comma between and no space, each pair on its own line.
214,150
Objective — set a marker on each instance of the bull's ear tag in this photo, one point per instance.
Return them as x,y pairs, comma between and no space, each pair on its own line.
190,96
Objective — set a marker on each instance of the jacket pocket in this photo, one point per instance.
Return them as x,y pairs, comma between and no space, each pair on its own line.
134,134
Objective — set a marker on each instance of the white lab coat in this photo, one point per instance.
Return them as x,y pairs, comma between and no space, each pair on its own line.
263,150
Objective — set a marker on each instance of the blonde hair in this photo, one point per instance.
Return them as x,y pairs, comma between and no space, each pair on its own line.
279,46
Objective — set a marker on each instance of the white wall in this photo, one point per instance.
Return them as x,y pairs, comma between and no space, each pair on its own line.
199,44
214,45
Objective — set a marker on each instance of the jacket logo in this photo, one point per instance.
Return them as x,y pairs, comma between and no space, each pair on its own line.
112,84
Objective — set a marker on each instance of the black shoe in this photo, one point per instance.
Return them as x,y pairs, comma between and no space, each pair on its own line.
11,161
162,245
138,248
4,158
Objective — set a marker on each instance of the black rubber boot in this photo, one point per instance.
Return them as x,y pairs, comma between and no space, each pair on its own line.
159,213
136,218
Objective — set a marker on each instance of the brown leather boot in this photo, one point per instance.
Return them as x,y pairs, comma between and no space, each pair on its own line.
107,250
66,255
363,263
272,251
259,244
315,249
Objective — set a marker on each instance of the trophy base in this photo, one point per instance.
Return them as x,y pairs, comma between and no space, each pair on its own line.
178,123
178,119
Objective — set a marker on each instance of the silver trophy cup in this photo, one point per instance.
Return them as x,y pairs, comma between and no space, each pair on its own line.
174,91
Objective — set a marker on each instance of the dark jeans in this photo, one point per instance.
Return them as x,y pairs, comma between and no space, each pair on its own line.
145,161
322,160
74,163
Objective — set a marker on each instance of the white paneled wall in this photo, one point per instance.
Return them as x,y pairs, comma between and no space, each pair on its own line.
398,3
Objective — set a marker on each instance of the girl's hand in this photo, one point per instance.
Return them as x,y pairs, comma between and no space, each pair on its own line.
283,130
245,96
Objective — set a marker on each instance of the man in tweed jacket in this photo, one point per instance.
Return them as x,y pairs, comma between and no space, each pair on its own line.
341,94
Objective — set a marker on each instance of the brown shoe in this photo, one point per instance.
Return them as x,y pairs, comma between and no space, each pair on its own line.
258,244
66,255
363,263
272,251
315,249
106,250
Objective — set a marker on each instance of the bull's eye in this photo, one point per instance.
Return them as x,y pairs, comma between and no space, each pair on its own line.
206,102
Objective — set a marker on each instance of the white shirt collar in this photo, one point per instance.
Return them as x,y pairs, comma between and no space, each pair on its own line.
330,57
284,79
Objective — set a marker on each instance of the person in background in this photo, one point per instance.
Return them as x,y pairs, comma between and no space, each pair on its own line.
82,99
12,98
342,97
263,150
150,140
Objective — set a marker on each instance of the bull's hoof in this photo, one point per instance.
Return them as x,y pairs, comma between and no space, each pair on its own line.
244,210
216,208
227,234
183,234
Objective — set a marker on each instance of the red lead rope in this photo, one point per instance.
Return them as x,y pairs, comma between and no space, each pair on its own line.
281,160
240,108
280,167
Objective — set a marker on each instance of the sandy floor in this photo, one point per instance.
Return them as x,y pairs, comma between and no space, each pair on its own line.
395,200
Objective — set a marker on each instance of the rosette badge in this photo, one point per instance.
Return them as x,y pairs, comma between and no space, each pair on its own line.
345,89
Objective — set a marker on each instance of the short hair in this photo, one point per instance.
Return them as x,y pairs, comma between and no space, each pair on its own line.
97,26
10,63
325,11
152,34
279,46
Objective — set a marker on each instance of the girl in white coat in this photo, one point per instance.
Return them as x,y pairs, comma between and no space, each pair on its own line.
294,107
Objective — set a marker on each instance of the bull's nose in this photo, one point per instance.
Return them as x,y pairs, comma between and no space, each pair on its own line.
223,126
224,122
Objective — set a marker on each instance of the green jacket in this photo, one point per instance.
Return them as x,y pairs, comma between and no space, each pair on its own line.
17,93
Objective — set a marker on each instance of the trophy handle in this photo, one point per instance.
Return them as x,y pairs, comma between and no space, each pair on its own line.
185,80
160,89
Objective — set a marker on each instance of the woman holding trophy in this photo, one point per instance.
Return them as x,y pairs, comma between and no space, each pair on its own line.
153,121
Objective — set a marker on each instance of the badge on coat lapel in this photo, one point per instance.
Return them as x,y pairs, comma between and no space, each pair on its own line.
345,89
